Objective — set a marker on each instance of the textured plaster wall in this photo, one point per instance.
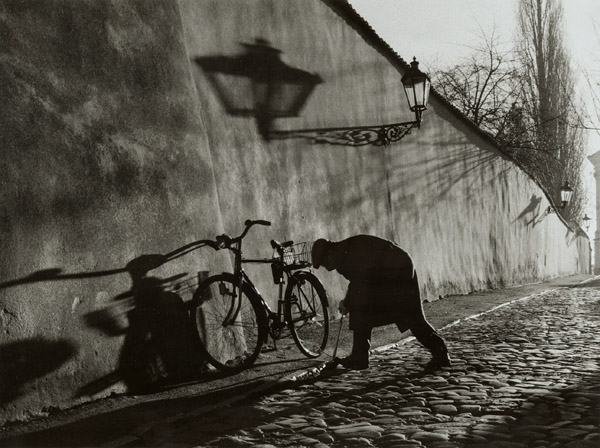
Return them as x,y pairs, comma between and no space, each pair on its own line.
115,145
104,157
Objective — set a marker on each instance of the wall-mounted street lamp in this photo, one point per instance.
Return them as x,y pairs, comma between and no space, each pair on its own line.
586,222
416,86
259,84
566,192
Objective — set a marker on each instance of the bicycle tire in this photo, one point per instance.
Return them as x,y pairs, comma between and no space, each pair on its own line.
307,313
232,347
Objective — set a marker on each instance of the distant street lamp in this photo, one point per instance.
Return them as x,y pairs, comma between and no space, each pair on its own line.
258,83
566,193
586,222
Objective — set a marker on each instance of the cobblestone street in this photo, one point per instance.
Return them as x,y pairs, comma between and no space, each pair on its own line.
524,375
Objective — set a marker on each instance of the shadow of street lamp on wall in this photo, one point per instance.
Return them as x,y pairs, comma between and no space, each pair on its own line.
566,193
258,84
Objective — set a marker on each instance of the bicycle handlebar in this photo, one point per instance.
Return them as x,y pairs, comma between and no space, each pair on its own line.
249,223
226,241
221,242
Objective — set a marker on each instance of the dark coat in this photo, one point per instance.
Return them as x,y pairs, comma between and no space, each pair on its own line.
383,285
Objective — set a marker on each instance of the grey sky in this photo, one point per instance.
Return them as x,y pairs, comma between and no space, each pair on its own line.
439,32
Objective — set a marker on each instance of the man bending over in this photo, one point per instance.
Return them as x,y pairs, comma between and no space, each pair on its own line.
383,290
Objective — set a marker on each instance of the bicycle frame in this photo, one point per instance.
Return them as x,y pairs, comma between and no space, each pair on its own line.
242,278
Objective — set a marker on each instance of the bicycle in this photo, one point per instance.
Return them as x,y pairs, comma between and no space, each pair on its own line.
232,319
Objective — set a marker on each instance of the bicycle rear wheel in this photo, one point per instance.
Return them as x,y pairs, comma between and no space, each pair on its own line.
307,313
230,323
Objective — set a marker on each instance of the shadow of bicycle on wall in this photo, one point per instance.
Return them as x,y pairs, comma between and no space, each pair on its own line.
158,345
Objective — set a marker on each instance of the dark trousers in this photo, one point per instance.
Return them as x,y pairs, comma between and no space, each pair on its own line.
422,331
430,339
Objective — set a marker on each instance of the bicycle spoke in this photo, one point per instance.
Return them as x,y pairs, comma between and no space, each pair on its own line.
227,324
307,314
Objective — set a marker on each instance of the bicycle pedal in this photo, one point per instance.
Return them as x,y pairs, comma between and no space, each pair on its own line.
267,349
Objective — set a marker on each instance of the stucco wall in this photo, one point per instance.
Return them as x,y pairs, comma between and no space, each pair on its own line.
104,158
468,215
115,145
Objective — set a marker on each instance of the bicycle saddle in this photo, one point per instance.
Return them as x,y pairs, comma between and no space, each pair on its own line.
278,245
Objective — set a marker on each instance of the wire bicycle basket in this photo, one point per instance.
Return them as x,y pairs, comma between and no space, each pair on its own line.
297,254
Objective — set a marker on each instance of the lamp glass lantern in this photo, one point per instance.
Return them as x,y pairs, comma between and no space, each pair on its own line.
416,86
566,193
586,222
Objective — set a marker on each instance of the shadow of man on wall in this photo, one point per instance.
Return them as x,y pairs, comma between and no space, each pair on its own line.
160,345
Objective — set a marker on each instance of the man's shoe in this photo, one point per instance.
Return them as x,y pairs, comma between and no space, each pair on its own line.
437,364
352,363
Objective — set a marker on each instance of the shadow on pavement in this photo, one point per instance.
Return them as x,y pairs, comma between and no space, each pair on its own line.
100,428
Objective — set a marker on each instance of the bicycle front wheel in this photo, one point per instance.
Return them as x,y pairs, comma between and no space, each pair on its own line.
230,323
307,313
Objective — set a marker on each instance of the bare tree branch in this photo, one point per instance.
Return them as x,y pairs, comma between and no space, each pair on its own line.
525,98
549,101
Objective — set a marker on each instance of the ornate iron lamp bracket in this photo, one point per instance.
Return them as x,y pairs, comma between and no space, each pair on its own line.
258,83
351,136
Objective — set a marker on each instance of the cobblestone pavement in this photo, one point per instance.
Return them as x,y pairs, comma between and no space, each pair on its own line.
525,375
